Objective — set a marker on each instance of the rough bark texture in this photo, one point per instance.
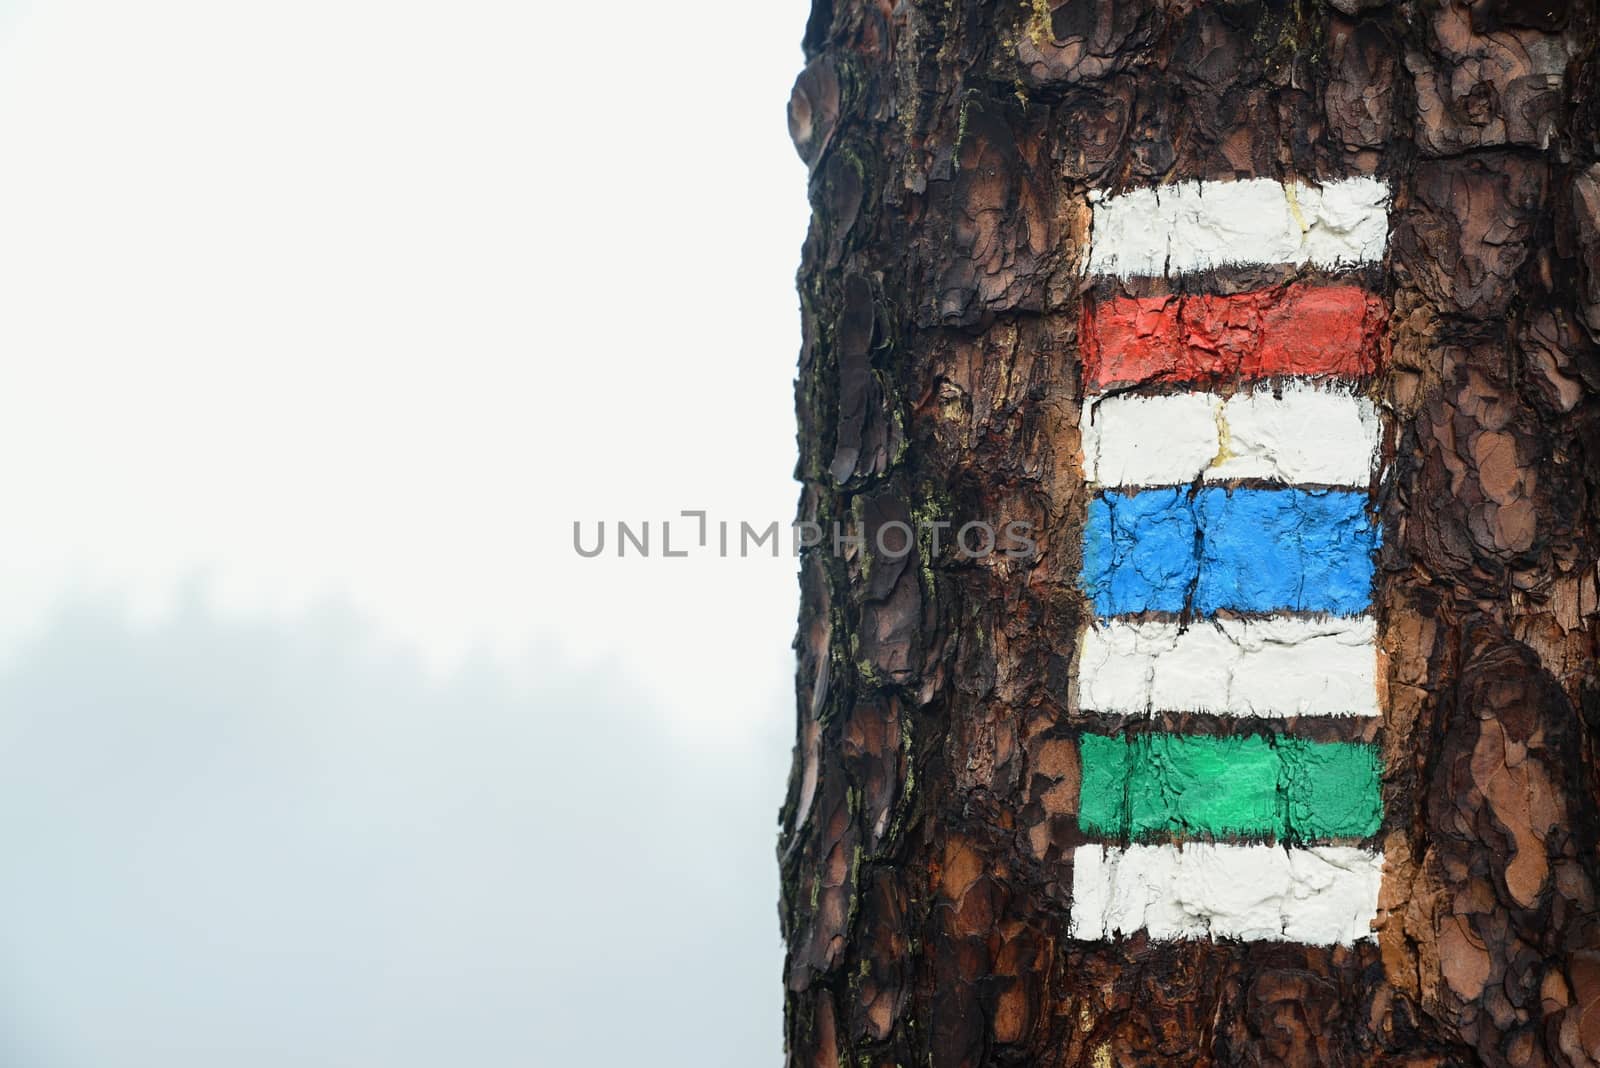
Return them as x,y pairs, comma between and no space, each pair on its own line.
932,809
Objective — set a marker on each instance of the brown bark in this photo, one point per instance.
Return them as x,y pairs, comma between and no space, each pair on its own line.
951,146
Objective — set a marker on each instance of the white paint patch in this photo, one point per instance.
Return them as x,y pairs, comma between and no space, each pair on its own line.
1301,433
1320,895
1164,440
1277,667
1196,226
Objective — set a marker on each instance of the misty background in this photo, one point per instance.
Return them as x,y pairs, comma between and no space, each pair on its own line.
323,323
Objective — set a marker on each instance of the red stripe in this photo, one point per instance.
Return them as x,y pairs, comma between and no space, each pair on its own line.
1287,330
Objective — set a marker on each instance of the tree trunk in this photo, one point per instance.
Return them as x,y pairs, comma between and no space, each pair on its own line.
1126,800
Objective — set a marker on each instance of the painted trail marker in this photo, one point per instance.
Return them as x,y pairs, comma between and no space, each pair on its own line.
1199,226
1172,549
1297,329
1316,894
1270,668
1228,556
1163,784
1298,433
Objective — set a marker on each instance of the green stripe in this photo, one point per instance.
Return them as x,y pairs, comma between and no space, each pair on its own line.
1188,785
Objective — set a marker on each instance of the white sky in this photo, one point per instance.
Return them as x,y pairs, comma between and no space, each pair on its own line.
333,315
370,300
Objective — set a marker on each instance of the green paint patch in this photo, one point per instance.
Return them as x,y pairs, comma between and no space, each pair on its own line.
1193,786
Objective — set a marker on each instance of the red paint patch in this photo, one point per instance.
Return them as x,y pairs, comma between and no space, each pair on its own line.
1287,330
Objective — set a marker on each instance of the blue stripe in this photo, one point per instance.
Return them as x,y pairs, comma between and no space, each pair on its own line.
1249,550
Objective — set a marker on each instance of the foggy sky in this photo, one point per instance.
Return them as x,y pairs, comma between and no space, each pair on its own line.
324,321
255,845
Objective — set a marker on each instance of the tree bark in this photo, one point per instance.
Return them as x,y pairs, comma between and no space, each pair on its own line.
928,839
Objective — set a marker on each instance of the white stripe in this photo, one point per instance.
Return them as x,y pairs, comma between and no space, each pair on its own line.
1195,226
1299,433
1284,666
1319,895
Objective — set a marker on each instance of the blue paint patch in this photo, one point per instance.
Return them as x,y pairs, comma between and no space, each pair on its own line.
1249,550
1140,551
